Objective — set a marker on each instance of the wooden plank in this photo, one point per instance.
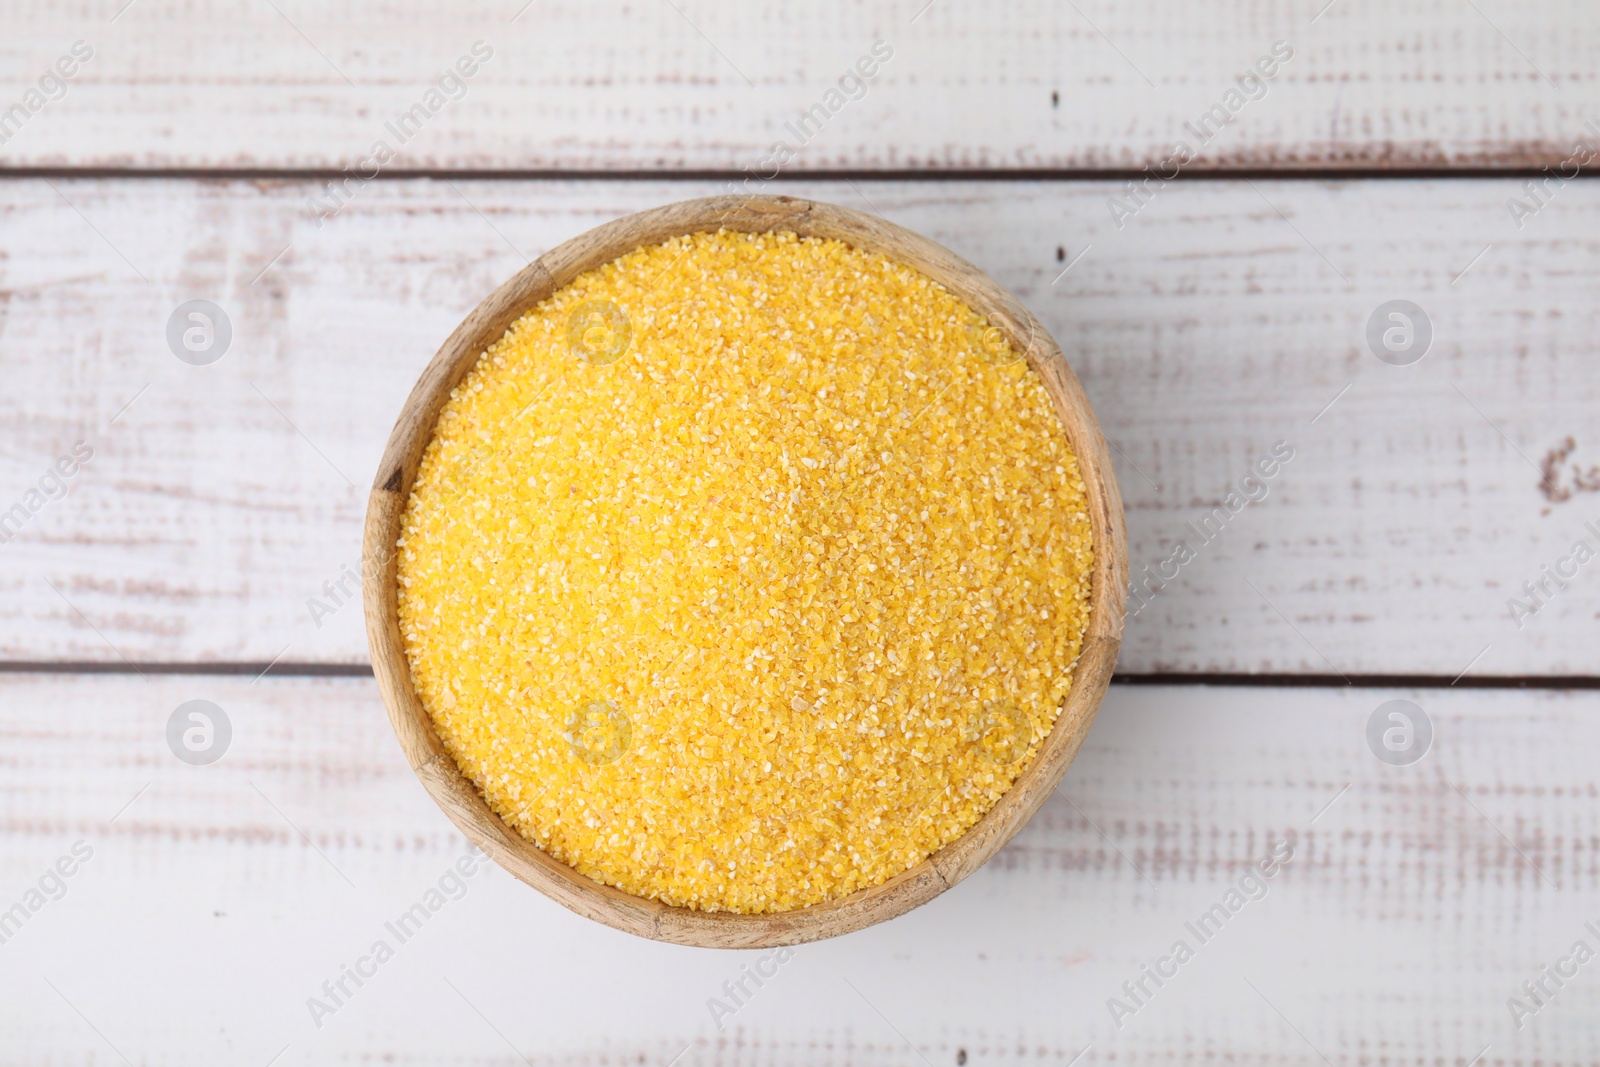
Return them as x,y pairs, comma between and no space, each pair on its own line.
1418,899
614,85
1215,323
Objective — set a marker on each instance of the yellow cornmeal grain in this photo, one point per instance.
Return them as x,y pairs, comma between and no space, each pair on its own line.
770,607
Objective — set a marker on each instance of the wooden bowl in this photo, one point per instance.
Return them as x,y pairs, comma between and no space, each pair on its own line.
458,796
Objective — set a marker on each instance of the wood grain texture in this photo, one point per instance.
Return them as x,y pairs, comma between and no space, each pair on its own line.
1417,901
633,86
461,798
1222,318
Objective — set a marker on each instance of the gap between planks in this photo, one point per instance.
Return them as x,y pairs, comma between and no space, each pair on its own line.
1195,173
1258,681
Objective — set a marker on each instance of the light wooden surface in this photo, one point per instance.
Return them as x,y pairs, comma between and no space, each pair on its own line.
1222,317
1204,331
205,920
697,85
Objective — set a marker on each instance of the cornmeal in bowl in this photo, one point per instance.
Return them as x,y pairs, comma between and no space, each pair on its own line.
746,571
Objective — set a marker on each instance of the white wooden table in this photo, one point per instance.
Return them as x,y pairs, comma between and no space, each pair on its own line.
1210,317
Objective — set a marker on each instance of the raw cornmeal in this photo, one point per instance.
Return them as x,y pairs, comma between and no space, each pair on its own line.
746,571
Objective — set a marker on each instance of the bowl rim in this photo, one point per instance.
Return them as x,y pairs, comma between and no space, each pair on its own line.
459,797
